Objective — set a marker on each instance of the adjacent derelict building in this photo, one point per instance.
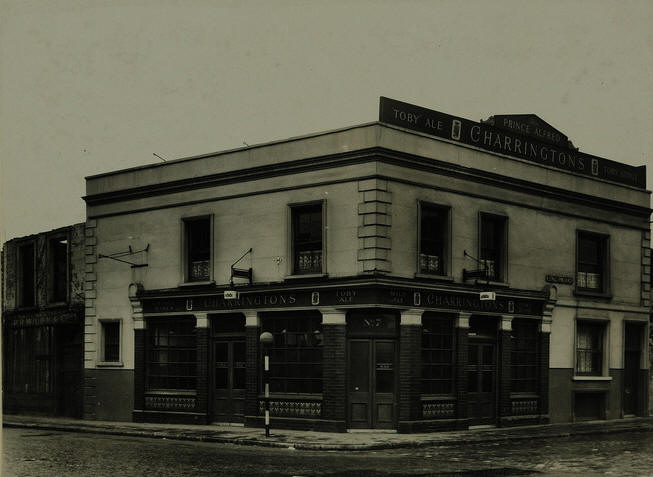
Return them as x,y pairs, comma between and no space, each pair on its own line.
43,279
420,272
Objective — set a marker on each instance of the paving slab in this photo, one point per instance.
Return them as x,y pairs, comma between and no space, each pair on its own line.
310,440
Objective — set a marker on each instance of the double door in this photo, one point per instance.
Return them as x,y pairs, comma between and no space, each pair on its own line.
371,383
229,380
481,382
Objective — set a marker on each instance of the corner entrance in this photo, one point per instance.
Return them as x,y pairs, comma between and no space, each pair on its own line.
371,370
371,383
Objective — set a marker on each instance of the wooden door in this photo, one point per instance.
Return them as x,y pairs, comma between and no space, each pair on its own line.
229,380
632,357
481,382
372,383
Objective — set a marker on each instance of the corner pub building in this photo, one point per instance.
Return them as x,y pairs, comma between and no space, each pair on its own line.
422,272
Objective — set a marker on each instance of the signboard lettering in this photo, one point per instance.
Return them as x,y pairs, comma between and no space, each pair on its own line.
562,279
537,144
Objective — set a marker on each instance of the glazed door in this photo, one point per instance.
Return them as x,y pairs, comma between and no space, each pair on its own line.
481,383
632,358
229,379
371,378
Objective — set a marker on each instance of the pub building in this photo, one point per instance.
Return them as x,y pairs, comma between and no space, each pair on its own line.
43,322
422,272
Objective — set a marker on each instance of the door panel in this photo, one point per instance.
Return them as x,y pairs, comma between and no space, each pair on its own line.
372,383
481,379
229,380
632,356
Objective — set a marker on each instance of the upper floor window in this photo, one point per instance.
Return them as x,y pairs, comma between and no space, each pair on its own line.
591,266
589,348
198,249
58,248
307,241
26,275
494,249
433,239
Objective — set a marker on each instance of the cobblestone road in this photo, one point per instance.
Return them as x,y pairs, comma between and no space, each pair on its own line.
50,453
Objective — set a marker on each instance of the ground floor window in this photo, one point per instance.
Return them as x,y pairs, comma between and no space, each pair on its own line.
171,354
437,353
296,354
589,348
523,357
29,360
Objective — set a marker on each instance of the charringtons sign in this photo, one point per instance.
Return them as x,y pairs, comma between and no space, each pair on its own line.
523,136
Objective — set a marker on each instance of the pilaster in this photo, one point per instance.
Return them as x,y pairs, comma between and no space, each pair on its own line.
462,337
410,360
334,365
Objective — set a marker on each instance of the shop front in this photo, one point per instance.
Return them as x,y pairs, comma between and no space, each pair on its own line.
362,356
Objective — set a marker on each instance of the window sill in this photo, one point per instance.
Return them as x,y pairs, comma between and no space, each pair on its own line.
110,364
591,378
171,392
439,278
438,397
305,396
491,283
306,275
592,294
196,284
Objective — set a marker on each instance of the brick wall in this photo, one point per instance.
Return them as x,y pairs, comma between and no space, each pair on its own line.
410,350
505,347
461,372
334,371
139,369
253,365
202,337
543,357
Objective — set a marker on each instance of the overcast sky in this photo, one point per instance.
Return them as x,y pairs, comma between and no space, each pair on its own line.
94,86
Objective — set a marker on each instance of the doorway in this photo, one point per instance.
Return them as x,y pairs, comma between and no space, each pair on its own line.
632,357
228,368
229,374
482,370
372,383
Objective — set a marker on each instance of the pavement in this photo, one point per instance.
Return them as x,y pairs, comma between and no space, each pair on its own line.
326,441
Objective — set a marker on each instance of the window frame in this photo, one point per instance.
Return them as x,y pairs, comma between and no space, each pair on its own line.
446,241
185,251
438,317
604,257
517,354
503,259
603,326
103,361
20,292
292,208
281,372
150,348
51,268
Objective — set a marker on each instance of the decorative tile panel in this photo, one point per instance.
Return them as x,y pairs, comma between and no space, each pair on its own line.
524,407
170,403
287,408
438,409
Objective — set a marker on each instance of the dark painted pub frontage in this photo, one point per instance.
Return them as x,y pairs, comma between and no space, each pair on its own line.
363,354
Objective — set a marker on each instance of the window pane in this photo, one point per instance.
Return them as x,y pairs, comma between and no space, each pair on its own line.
307,238
198,243
26,260
437,354
591,261
524,370
493,245
172,354
111,332
589,348
296,355
59,269
433,235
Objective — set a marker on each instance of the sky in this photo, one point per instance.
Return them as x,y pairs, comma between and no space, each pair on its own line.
94,86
